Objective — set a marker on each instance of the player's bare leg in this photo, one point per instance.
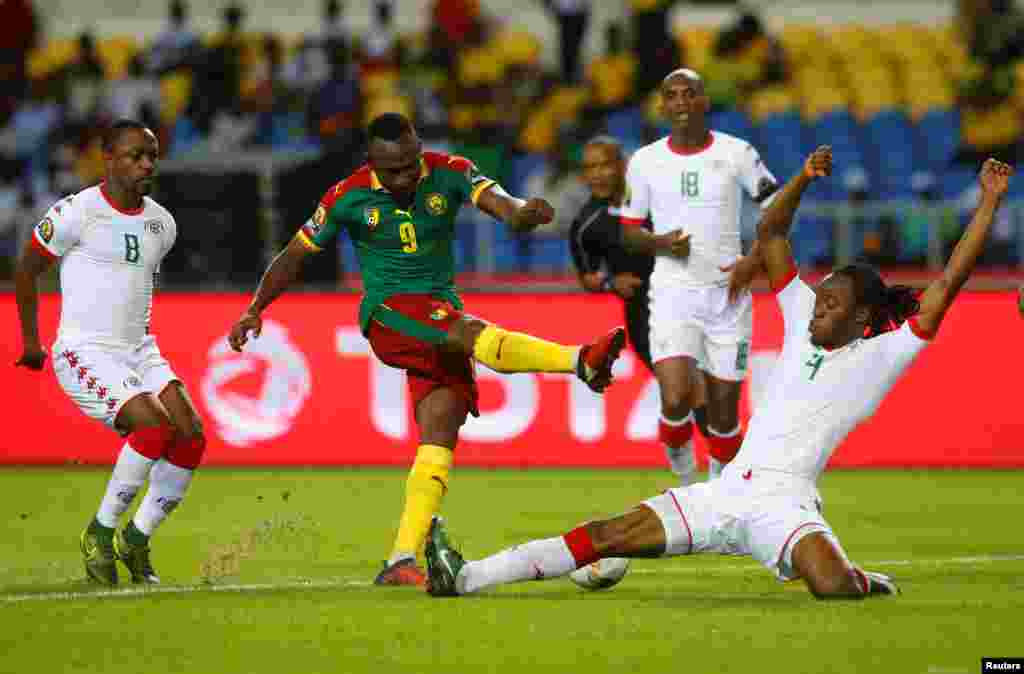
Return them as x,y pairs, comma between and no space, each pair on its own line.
676,384
637,533
830,575
147,425
169,479
724,433
439,417
506,351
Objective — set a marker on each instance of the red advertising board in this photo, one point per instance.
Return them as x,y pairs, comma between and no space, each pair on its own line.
310,392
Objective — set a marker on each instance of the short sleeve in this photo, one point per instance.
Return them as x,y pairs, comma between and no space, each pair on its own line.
637,205
171,236
901,346
329,215
796,300
755,178
471,183
59,230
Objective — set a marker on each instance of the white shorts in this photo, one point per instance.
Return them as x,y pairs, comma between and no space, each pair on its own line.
762,516
101,380
702,324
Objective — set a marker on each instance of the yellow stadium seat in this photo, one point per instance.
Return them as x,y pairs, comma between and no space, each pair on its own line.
116,53
379,82
50,57
770,101
821,102
378,105
984,128
175,90
697,44
565,102
801,42
540,133
612,78
517,47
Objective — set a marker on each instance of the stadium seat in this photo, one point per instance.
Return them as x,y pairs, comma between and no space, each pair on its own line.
781,143
626,125
953,182
938,137
890,148
839,129
733,122
771,101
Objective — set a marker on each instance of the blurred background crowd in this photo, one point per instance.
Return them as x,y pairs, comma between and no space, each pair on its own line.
255,125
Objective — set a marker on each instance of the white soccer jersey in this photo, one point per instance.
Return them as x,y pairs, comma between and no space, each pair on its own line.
699,193
818,396
108,258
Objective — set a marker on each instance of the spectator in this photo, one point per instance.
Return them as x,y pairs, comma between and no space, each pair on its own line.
84,86
311,65
455,25
612,75
380,49
136,96
335,110
746,57
218,79
656,49
177,45
572,17
20,34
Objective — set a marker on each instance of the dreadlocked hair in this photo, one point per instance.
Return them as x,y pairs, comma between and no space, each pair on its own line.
890,305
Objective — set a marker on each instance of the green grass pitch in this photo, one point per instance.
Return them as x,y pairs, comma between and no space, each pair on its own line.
268,571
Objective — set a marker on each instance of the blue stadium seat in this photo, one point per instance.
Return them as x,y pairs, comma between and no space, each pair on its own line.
839,129
521,167
811,239
733,122
953,182
626,125
938,137
889,145
780,140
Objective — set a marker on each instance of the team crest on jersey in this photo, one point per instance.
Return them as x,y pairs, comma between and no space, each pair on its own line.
154,226
45,228
438,314
319,218
372,217
437,204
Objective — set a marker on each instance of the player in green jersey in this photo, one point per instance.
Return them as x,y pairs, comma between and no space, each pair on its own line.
399,211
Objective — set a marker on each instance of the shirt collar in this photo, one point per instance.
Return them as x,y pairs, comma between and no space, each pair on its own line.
375,182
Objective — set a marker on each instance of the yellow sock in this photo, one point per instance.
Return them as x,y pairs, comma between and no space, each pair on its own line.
505,351
424,489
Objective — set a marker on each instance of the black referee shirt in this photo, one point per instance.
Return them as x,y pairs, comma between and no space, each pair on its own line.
595,240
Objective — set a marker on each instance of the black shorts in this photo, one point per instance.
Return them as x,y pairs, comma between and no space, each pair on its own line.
638,324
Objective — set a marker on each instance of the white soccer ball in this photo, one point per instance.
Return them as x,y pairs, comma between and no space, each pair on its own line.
602,574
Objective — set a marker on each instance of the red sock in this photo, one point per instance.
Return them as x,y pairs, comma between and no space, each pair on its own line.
581,546
675,434
724,448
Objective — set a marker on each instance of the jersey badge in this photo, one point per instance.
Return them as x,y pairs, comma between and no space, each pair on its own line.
438,314
372,217
436,203
154,226
45,228
319,217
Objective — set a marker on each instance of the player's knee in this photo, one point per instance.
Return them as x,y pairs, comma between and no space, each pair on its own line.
675,404
186,451
463,333
846,584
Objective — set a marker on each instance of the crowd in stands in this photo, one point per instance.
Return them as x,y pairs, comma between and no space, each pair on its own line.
909,109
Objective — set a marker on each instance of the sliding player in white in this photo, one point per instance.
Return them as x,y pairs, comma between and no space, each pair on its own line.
692,182
846,343
110,240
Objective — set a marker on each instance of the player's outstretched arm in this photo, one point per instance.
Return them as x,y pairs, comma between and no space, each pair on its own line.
773,229
638,240
281,273
31,265
521,216
936,299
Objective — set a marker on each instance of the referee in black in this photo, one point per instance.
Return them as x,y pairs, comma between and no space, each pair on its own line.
602,263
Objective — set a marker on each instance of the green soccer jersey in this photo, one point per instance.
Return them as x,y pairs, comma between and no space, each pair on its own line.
400,250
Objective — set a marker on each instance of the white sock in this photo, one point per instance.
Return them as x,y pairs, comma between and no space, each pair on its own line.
130,473
399,556
536,560
167,486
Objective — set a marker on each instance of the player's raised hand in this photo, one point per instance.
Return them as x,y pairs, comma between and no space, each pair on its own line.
742,273
533,213
819,164
675,243
239,335
995,177
33,357
625,285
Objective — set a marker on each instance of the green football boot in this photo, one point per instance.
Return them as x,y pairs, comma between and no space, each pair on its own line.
98,556
443,561
136,557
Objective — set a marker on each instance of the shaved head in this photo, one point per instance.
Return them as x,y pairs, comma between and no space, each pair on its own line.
606,141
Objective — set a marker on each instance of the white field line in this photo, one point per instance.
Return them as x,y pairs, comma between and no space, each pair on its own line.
353,583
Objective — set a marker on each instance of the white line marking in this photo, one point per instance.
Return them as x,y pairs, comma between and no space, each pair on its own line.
351,583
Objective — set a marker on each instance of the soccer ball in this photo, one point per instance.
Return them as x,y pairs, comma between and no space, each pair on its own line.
602,574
